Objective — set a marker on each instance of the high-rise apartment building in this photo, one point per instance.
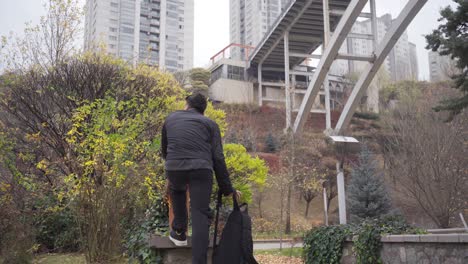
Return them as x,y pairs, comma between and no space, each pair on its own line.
400,64
441,68
157,32
250,21
414,66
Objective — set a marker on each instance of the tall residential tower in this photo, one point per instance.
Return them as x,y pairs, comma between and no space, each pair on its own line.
250,21
442,68
156,32
400,64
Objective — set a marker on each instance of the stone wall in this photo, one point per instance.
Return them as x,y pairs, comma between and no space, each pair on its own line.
172,254
181,256
427,249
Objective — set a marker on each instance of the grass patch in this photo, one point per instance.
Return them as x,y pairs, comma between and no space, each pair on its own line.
67,259
287,252
60,258
276,235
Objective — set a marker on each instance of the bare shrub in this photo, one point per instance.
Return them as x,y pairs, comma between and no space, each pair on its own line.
427,157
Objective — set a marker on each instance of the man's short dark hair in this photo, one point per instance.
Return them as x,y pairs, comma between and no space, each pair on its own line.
197,101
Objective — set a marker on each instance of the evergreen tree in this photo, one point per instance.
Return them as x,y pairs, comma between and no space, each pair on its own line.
367,196
270,143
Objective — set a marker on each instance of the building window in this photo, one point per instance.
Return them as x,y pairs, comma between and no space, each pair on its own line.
112,38
216,74
171,63
114,4
113,29
127,30
235,73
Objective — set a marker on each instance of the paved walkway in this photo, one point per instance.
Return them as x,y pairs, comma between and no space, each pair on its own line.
274,245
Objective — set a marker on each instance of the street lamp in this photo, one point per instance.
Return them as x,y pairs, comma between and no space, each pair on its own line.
342,144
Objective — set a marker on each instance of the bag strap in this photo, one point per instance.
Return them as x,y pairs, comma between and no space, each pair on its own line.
219,202
235,202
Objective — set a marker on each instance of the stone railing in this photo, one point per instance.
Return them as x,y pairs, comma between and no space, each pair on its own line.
172,254
431,249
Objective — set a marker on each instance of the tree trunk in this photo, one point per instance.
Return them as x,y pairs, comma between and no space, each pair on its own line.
260,198
330,196
307,208
281,216
288,210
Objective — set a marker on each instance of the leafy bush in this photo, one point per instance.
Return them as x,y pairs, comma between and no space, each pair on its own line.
237,108
156,221
57,228
246,171
399,91
88,135
116,144
16,236
367,115
16,241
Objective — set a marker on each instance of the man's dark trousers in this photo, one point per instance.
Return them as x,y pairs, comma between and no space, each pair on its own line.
200,184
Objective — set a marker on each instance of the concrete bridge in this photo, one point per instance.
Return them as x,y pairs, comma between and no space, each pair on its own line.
308,25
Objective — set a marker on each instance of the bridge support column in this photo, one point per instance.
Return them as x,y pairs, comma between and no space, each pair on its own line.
331,51
388,42
287,85
375,31
260,85
326,82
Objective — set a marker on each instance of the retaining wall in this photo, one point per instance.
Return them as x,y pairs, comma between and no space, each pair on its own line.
424,249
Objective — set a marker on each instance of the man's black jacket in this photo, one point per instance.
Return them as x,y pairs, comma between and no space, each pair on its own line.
190,139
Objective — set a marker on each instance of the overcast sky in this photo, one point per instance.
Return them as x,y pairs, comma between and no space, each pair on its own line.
212,24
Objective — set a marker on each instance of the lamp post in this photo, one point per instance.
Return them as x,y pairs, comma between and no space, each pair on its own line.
325,202
342,143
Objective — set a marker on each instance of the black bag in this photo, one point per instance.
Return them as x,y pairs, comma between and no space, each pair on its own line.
235,245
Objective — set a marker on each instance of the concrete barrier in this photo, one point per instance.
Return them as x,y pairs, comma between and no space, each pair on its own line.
406,249
172,254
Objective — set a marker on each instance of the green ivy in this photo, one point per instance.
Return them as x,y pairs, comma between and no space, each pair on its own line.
325,244
367,244
155,222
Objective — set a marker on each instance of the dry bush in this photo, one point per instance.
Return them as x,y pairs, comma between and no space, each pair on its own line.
427,157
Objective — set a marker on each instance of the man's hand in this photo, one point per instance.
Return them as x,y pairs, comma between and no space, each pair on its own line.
238,194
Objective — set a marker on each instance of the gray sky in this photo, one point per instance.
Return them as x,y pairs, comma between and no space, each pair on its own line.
212,24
